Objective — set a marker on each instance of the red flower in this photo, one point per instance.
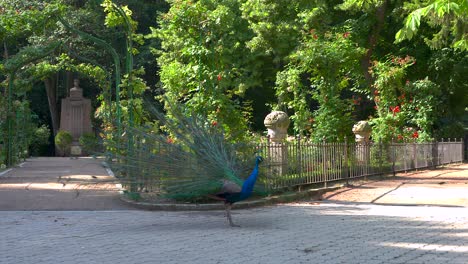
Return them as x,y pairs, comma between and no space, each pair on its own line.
214,123
220,77
346,34
395,109
415,134
170,140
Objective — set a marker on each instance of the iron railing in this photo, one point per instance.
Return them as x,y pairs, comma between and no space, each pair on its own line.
301,163
14,146
292,164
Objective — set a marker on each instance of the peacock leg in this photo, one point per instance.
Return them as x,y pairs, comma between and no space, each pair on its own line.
228,214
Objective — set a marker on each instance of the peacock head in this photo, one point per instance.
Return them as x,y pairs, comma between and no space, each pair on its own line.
258,159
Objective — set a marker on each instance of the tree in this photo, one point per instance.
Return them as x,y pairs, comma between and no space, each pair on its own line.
321,69
448,17
204,60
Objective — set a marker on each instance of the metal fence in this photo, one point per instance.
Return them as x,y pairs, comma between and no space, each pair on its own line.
15,137
300,163
292,164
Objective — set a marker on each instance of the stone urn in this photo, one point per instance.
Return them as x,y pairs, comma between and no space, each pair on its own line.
277,123
362,131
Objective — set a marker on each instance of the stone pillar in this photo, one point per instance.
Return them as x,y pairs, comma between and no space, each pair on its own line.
362,131
75,116
277,123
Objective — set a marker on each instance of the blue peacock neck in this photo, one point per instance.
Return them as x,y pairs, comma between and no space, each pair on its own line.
248,185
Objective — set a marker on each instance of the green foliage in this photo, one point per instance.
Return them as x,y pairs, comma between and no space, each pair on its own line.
114,17
354,5
63,141
404,111
204,60
227,59
89,143
449,68
320,70
389,81
21,135
275,26
122,16
19,19
39,141
453,129
449,17
29,54
423,107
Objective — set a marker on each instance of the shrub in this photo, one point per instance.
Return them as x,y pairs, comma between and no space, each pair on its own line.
63,141
40,140
89,142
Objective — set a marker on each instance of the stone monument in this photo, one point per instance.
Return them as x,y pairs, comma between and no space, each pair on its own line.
75,116
277,123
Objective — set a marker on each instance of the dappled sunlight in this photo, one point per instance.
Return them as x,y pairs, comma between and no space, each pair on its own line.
63,183
85,177
428,212
57,186
32,186
426,246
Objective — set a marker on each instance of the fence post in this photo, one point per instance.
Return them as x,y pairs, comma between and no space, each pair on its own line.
435,154
405,155
393,157
380,156
462,150
346,162
299,156
464,147
325,163
449,147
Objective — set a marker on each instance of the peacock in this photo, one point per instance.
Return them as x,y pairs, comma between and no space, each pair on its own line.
191,160
231,192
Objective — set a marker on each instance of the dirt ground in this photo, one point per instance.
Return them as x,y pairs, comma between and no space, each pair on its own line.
445,186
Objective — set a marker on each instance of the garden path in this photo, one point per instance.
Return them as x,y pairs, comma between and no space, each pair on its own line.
56,183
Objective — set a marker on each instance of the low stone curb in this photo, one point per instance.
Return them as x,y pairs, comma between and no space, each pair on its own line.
283,198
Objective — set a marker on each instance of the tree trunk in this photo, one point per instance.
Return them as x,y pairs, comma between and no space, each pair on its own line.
50,85
372,41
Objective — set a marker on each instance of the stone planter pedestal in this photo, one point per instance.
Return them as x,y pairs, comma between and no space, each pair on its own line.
277,123
362,131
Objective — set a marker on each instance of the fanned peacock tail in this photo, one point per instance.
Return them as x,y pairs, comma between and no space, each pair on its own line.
190,163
